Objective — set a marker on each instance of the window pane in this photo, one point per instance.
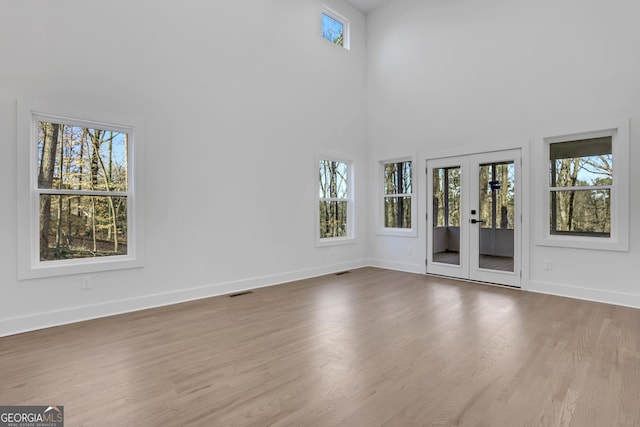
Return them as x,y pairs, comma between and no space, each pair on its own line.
454,197
397,212
72,157
438,198
333,180
333,219
446,215
82,227
581,212
497,197
581,163
332,30
397,178
446,197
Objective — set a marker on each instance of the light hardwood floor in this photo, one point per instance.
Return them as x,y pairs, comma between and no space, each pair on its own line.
368,348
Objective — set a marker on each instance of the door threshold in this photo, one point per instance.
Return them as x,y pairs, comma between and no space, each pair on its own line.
479,282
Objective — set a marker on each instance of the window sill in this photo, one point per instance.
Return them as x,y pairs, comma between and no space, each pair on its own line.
584,242
397,232
71,267
335,241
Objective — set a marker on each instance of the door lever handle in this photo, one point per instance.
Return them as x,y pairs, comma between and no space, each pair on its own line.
475,221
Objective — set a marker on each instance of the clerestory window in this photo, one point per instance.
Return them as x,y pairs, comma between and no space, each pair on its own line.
335,28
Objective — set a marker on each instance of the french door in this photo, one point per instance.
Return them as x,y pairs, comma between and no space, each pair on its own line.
473,216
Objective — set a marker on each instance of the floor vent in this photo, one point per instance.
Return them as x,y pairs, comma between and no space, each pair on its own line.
342,272
240,294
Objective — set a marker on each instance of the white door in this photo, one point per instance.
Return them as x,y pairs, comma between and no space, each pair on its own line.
473,213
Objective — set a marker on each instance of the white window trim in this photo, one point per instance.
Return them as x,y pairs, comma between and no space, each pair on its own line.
389,231
29,264
619,239
351,221
342,19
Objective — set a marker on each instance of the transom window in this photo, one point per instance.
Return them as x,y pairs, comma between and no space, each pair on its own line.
335,200
335,28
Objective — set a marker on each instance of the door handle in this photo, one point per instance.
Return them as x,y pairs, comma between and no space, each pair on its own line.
475,221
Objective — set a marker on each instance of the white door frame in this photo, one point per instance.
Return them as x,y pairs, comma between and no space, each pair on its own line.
470,233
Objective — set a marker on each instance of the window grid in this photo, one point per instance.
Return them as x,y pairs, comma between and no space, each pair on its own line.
80,209
80,189
398,192
580,187
335,206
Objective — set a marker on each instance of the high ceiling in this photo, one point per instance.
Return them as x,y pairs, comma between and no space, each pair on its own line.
367,5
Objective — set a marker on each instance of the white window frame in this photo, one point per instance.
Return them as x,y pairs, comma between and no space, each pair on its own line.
394,231
343,20
351,221
29,113
619,237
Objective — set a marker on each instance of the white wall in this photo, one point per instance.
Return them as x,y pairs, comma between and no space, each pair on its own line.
226,87
237,97
462,76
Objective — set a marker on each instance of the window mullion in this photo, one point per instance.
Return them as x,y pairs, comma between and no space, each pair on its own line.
582,188
88,193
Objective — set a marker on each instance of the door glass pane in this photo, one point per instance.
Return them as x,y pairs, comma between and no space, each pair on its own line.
446,215
496,216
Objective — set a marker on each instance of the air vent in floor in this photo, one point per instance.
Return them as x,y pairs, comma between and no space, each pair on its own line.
240,294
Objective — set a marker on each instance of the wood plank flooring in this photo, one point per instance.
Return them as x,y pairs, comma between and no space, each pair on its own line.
368,348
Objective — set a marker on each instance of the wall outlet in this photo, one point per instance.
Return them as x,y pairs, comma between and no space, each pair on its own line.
548,265
85,283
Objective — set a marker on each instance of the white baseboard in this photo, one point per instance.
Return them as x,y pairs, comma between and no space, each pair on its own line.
397,266
44,320
588,294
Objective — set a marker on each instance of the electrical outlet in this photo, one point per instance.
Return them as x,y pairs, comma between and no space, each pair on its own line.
85,283
548,265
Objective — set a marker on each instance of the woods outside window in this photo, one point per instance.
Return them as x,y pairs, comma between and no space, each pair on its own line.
335,201
335,28
586,188
581,179
398,192
81,197
397,206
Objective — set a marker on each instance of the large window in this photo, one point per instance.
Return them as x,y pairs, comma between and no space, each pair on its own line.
581,178
335,28
335,201
82,190
79,196
398,192
586,188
